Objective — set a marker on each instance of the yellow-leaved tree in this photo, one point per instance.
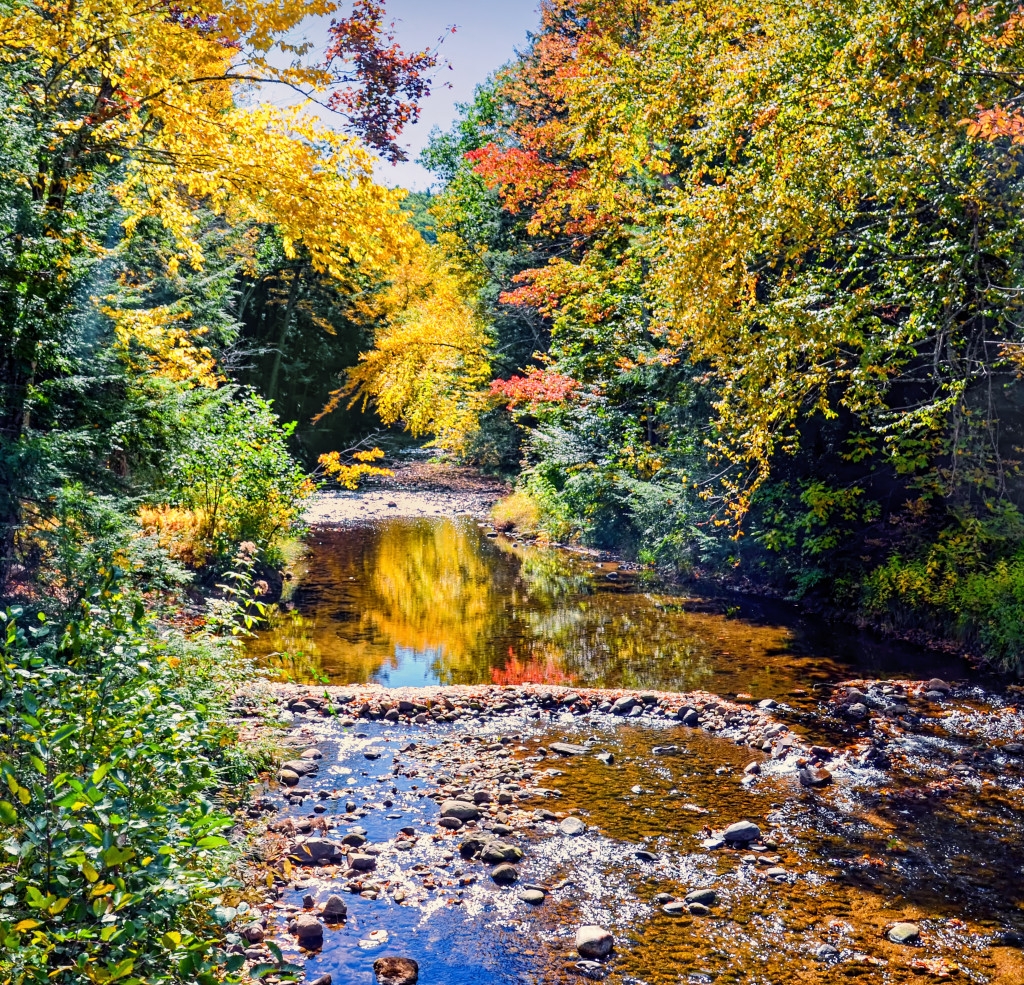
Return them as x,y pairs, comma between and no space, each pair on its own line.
430,363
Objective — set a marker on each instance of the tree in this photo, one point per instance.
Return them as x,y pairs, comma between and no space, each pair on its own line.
119,115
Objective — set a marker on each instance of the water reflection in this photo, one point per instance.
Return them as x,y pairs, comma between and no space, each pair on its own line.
416,602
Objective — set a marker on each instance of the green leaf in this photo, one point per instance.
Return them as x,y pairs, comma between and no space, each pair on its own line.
7,812
117,856
212,841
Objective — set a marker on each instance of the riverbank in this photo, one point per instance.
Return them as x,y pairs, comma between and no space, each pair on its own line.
477,831
418,489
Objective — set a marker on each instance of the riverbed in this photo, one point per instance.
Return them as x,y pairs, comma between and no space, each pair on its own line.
601,733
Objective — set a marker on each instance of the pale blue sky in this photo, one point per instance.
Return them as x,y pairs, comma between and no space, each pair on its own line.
487,37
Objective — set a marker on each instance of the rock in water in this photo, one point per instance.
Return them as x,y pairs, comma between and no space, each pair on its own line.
335,909
497,851
316,851
532,896
396,971
812,776
706,897
461,810
905,933
594,942
572,827
308,930
742,833
568,749
505,874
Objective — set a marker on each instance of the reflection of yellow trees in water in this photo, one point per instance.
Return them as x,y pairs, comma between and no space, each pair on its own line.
434,600
431,589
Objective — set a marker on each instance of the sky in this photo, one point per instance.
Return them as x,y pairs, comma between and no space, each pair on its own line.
488,34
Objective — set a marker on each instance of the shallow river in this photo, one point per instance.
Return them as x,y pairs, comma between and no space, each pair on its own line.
931,831
408,603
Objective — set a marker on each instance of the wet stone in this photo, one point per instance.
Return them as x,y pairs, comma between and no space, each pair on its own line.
316,851
335,908
396,971
572,827
505,874
905,933
532,896
706,897
496,852
814,778
742,833
308,930
568,749
460,810
594,942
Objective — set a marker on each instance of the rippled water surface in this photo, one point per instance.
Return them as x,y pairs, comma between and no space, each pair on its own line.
418,602
854,859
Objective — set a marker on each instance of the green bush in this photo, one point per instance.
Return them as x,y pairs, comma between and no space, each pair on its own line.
113,755
966,585
235,474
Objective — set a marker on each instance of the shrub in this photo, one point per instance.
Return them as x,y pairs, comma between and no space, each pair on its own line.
235,475
518,511
114,756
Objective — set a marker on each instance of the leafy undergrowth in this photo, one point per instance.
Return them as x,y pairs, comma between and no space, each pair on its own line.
116,763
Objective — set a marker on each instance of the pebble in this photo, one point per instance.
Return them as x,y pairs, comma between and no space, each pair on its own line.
532,896
904,933
572,827
742,833
505,874
706,897
396,971
594,942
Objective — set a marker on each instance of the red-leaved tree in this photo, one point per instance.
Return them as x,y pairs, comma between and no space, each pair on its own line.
382,85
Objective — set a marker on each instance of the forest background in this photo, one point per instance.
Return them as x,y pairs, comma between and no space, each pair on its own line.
733,289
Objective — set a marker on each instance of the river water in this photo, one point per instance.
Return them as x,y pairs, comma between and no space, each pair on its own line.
414,602
931,832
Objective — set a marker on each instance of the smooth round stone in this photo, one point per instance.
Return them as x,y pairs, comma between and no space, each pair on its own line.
505,874
677,908
532,896
706,897
594,942
460,809
743,832
451,823
905,933
572,827
697,909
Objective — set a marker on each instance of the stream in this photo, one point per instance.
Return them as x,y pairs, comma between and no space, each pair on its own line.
916,822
